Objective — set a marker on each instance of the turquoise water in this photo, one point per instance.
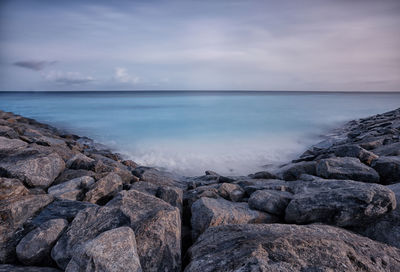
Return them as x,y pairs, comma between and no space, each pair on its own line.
188,133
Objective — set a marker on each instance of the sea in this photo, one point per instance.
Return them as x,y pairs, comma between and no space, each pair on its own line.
188,132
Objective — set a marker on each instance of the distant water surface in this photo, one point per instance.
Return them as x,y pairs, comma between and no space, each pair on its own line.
190,132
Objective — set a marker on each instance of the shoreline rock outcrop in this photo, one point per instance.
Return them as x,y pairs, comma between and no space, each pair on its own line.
70,204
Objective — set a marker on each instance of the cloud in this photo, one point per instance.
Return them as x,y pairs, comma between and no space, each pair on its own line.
67,78
121,75
34,64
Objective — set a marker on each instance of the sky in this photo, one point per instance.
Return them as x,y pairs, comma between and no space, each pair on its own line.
308,45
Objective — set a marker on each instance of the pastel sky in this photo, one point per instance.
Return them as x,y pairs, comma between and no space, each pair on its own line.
315,45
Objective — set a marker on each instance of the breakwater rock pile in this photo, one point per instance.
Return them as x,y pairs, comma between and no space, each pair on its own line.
69,204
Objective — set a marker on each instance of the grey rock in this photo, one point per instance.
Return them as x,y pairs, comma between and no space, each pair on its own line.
36,170
157,227
292,171
35,247
271,201
288,248
65,209
8,132
346,168
385,229
11,188
355,151
113,251
209,212
14,212
80,161
72,189
69,174
252,185
171,195
104,189
231,191
157,177
263,175
392,149
342,203
388,169
8,146
87,225
14,268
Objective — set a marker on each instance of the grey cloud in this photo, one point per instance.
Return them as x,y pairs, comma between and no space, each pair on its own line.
33,64
67,78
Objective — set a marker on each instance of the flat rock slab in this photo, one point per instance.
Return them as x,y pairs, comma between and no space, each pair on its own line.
288,248
208,212
157,227
346,168
113,251
35,247
338,202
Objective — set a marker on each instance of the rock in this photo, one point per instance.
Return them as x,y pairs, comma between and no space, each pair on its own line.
209,212
69,174
287,248
11,188
274,202
231,191
72,189
104,189
87,225
36,170
14,212
35,247
8,146
65,209
252,185
171,195
355,151
346,168
342,203
388,169
263,175
385,229
292,171
14,268
113,250
81,161
145,187
159,178
8,132
392,149
157,227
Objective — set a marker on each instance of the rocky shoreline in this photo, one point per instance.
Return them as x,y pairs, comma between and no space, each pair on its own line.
68,204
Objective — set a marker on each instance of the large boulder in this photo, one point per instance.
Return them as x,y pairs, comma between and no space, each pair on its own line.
113,250
11,188
35,247
104,189
338,202
8,146
288,248
64,209
69,174
8,132
34,168
157,227
385,229
388,169
80,161
271,201
87,225
14,212
208,212
231,191
346,168
351,150
157,177
293,171
72,189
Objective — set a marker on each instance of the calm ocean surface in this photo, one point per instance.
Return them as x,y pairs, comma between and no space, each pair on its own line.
188,133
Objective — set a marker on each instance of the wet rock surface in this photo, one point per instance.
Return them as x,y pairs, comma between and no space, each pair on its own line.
68,203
